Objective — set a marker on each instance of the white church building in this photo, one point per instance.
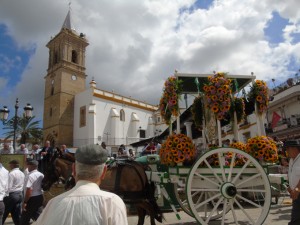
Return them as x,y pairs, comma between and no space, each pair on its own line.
112,118
75,114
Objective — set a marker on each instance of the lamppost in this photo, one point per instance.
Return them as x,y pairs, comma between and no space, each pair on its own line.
15,120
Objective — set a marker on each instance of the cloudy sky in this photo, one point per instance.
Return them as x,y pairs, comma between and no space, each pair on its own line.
136,44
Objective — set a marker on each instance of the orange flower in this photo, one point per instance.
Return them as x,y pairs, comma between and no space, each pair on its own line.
258,82
215,109
181,158
214,97
206,88
169,143
179,146
260,152
220,90
258,98
212,88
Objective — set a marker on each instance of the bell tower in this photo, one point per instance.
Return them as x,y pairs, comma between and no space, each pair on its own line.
65,78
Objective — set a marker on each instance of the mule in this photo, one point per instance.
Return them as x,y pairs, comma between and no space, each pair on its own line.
126,178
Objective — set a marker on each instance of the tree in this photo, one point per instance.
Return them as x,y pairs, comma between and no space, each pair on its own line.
27,128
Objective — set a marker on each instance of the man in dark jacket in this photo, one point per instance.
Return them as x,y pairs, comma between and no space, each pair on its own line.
45,156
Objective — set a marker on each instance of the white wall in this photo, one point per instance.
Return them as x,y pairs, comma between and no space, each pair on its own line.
99,112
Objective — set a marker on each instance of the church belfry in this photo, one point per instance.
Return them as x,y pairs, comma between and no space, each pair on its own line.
65,78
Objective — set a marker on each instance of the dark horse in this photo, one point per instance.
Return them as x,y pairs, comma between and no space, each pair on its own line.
126,178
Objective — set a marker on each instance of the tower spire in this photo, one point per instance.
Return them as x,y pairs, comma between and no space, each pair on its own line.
68,24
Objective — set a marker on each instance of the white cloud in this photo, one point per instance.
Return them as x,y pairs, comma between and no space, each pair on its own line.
135,45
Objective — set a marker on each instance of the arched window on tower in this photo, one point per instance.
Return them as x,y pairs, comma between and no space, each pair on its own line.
74,56
122,115
52,89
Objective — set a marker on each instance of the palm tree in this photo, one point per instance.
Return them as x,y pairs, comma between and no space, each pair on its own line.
28,129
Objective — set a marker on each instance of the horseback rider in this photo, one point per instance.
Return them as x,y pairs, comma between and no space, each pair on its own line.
66,154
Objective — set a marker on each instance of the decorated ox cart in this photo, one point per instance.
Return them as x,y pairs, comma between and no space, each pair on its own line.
226,183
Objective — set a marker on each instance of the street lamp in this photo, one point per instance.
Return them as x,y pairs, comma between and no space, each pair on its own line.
15,120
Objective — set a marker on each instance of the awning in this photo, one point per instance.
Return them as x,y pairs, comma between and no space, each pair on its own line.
192,82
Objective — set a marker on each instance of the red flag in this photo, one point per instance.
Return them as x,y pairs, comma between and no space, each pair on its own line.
276,117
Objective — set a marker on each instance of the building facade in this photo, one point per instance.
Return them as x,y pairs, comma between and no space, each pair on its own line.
283,115
75,115
282,119
105,116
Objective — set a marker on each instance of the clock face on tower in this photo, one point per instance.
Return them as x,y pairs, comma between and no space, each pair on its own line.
74,77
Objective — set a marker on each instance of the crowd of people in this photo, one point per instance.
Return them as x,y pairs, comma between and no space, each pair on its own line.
21,192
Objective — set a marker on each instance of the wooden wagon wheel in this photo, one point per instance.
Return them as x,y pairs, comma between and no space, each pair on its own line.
213,190
181,196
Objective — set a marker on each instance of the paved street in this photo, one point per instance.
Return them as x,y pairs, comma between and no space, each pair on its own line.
278,215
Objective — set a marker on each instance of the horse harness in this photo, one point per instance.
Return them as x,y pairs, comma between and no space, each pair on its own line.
128,195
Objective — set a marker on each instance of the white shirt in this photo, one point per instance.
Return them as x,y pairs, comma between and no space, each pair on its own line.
108,149
3,182
84,204
15,180
294,171
125,152
35,154
5,151
34,181
24,151
158,147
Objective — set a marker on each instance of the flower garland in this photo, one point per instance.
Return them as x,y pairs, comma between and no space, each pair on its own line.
218,94
238,145
262,148
197,111
238,105
259,93
177,148
238,161
168,104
